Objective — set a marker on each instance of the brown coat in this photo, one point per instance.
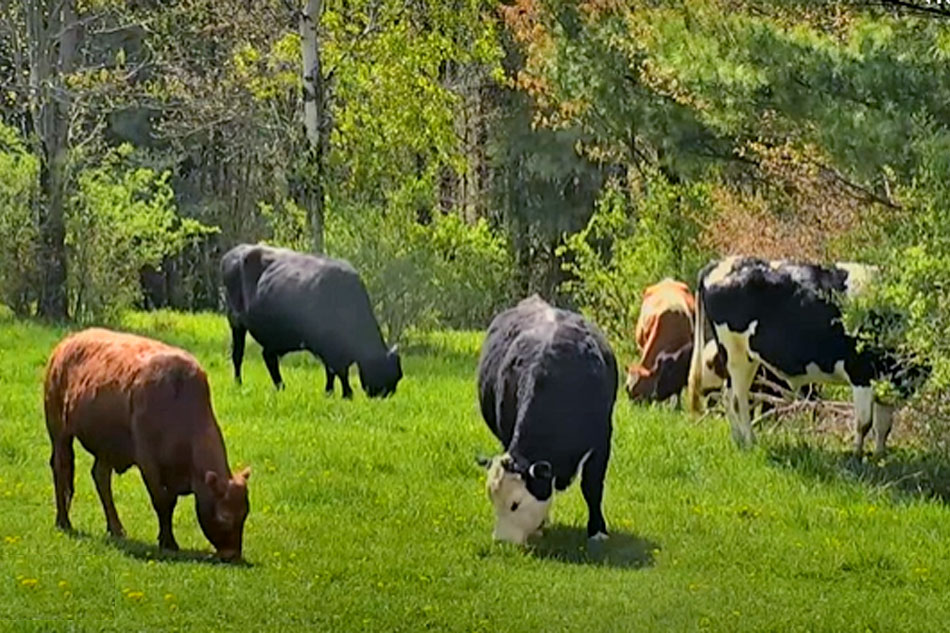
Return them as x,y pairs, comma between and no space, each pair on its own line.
132,400
665,325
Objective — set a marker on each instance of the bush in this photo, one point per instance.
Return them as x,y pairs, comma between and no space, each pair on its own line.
18,229
626,247
120,219
443,273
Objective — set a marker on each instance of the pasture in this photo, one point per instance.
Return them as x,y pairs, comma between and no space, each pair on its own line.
372,516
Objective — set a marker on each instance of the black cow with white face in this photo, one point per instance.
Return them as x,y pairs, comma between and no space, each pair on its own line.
290,301
547,382
786,316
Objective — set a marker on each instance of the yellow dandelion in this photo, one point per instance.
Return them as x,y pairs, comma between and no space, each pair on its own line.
63,584
169,597
135,595
11,539
29,582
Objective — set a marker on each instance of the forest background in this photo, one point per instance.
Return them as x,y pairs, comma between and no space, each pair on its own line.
465,153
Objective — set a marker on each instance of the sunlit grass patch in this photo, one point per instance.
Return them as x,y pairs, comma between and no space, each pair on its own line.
372,515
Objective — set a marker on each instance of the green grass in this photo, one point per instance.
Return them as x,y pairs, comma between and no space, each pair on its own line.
371,515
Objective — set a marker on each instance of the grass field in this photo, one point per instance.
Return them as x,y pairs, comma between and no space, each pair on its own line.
372,516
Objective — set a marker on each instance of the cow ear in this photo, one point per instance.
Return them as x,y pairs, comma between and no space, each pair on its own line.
540,470
484,462
245,474
214,482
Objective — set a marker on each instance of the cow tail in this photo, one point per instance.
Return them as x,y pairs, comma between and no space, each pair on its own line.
694,387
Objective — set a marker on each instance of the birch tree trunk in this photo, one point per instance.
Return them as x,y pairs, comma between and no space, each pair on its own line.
313,101
52,37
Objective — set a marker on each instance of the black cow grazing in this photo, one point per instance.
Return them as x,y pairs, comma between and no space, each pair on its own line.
786,317
289,301
547,382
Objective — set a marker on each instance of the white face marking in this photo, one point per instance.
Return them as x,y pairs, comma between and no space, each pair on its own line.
518,514
720,272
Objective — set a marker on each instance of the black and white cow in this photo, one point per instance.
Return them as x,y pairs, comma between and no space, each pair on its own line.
290,301
786,316
547,383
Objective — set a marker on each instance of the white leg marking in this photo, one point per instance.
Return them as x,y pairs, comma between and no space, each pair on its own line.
600,536
741,368
883,421
863,402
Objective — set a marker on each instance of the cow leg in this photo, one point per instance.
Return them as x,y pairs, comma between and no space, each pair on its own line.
102,475
270,359
863,407
238,336
592,486
345,382
330,379
163,501
741,375
883,421
62,461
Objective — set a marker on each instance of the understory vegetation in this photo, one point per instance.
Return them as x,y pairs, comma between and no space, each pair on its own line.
372,515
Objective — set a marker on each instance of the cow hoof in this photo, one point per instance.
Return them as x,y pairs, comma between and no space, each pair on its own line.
64,525
599,537
118,533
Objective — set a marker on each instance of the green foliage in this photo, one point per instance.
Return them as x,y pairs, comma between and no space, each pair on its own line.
288,223
420,275
475,271
626,247
121,219
18,230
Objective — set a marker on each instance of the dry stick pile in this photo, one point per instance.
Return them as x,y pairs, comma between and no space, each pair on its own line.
790,404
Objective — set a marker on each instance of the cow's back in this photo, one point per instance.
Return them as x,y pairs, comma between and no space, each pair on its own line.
790,311
100,383
551,374
294,300
666,310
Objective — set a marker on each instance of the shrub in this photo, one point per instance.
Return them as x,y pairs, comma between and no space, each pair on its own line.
423,275
120,219
627,246
18,230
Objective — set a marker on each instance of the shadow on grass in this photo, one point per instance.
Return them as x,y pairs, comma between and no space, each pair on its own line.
569,544
146,552
902,472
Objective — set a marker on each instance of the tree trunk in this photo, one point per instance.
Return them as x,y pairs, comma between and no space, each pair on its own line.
313,118
53,38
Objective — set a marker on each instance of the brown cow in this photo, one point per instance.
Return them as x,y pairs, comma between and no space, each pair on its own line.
665,325
131,400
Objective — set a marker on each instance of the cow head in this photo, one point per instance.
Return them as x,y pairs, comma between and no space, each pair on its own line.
521,495
380,376
222,510
640,382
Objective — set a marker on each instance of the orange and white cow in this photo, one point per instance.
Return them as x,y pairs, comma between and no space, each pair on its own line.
665,326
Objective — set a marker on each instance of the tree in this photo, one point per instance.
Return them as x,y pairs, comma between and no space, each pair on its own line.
313,118
52,37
